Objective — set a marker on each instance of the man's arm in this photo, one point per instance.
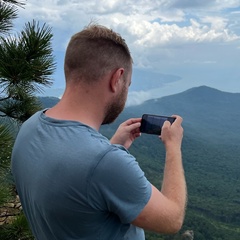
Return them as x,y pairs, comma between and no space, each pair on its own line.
164,213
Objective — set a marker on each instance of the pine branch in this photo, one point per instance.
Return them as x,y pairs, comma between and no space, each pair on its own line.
17,3
6,98
8,12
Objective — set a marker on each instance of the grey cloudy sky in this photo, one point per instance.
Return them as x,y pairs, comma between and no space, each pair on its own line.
176,44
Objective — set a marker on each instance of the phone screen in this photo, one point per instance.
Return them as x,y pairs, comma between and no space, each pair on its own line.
152,124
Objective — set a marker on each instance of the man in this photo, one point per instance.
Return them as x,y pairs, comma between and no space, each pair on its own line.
76,184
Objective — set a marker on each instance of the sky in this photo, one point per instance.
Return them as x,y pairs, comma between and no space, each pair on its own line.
175,44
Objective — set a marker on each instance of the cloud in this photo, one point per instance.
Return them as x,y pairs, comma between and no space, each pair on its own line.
151,35
147,26
171,41
204,4
149,23
136,98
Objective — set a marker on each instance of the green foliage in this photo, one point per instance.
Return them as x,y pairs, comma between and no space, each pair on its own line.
26,62
26,66
7,14
5,146
18,229
20,110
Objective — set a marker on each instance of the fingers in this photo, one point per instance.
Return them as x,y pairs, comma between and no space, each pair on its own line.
132,121
178,122
178,119
136,135
166,124
173,129
134,126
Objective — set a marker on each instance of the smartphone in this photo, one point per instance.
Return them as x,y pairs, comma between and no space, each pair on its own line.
152,124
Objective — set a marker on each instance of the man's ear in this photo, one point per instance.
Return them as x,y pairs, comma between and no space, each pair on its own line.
115,79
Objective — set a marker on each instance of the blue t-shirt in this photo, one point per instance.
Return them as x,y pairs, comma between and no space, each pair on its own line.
74,184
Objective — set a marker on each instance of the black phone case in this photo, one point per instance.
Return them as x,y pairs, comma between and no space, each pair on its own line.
152,124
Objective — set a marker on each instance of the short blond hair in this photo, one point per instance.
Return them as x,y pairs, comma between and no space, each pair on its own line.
93,52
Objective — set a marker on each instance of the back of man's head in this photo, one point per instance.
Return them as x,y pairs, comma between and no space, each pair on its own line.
93,52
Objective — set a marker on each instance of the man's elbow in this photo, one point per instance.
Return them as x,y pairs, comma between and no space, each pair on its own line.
177,218
177,225
173,226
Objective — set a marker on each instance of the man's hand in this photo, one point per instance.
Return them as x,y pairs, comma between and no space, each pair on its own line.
127,132
172,134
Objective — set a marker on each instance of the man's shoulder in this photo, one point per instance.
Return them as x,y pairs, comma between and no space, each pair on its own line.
30,123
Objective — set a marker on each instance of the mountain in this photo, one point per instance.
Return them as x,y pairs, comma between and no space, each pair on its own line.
208,114
211,159
48,102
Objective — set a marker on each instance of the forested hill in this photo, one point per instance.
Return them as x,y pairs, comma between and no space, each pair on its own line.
211,150
208,114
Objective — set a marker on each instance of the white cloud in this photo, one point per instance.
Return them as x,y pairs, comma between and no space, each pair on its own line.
217,23
136,98
166,36
156,34
150,24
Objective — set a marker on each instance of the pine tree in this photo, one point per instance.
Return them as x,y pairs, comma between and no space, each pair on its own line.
26,66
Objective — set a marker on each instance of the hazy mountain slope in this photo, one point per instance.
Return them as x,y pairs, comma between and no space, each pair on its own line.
48,102
208,113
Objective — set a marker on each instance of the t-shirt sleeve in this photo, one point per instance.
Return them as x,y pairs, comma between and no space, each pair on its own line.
118,185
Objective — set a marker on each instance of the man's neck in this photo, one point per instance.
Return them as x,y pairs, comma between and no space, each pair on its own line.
82,109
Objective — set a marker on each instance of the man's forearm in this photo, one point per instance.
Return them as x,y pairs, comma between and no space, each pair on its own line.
174,184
